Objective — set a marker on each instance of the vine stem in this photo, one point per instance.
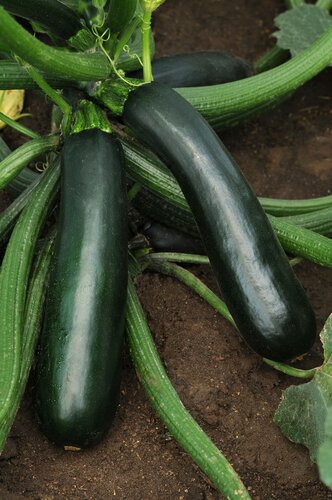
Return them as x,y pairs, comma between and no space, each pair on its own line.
169,407
15,272
234,97
12,164
47,89
195,284
33,316
290,370
189,258
178,257
18,126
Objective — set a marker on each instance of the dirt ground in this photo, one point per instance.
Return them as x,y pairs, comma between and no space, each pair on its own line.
232,394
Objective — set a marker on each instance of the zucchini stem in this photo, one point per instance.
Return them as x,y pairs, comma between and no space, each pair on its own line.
146,49
47,89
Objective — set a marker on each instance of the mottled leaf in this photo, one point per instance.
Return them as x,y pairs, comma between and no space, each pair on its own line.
325,453
303,410
300,27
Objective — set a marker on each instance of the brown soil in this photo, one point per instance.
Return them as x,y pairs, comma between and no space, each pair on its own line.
286,153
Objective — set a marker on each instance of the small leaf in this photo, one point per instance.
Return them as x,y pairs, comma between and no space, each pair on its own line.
303,410
301,27
325,453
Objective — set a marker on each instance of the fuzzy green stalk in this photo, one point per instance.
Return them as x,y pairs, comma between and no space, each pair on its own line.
47,89
146,49
20,157
234,97
15,272
33,315
57,62
169,407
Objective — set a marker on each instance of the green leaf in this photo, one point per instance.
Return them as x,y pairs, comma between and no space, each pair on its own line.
324,458
303,410
300,27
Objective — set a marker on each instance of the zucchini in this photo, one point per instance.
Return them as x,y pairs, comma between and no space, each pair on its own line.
197,69
167,239
79,365
53,15
267,302
298,237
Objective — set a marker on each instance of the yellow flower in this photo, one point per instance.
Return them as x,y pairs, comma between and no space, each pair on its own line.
11,103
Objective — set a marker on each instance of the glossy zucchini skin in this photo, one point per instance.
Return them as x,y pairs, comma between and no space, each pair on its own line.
266,300
197,69
79,364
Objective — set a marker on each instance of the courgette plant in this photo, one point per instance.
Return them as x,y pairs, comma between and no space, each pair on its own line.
86,70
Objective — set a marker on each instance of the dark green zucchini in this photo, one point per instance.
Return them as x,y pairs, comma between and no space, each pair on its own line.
167,239
50,14
79,364
197,69
267,302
